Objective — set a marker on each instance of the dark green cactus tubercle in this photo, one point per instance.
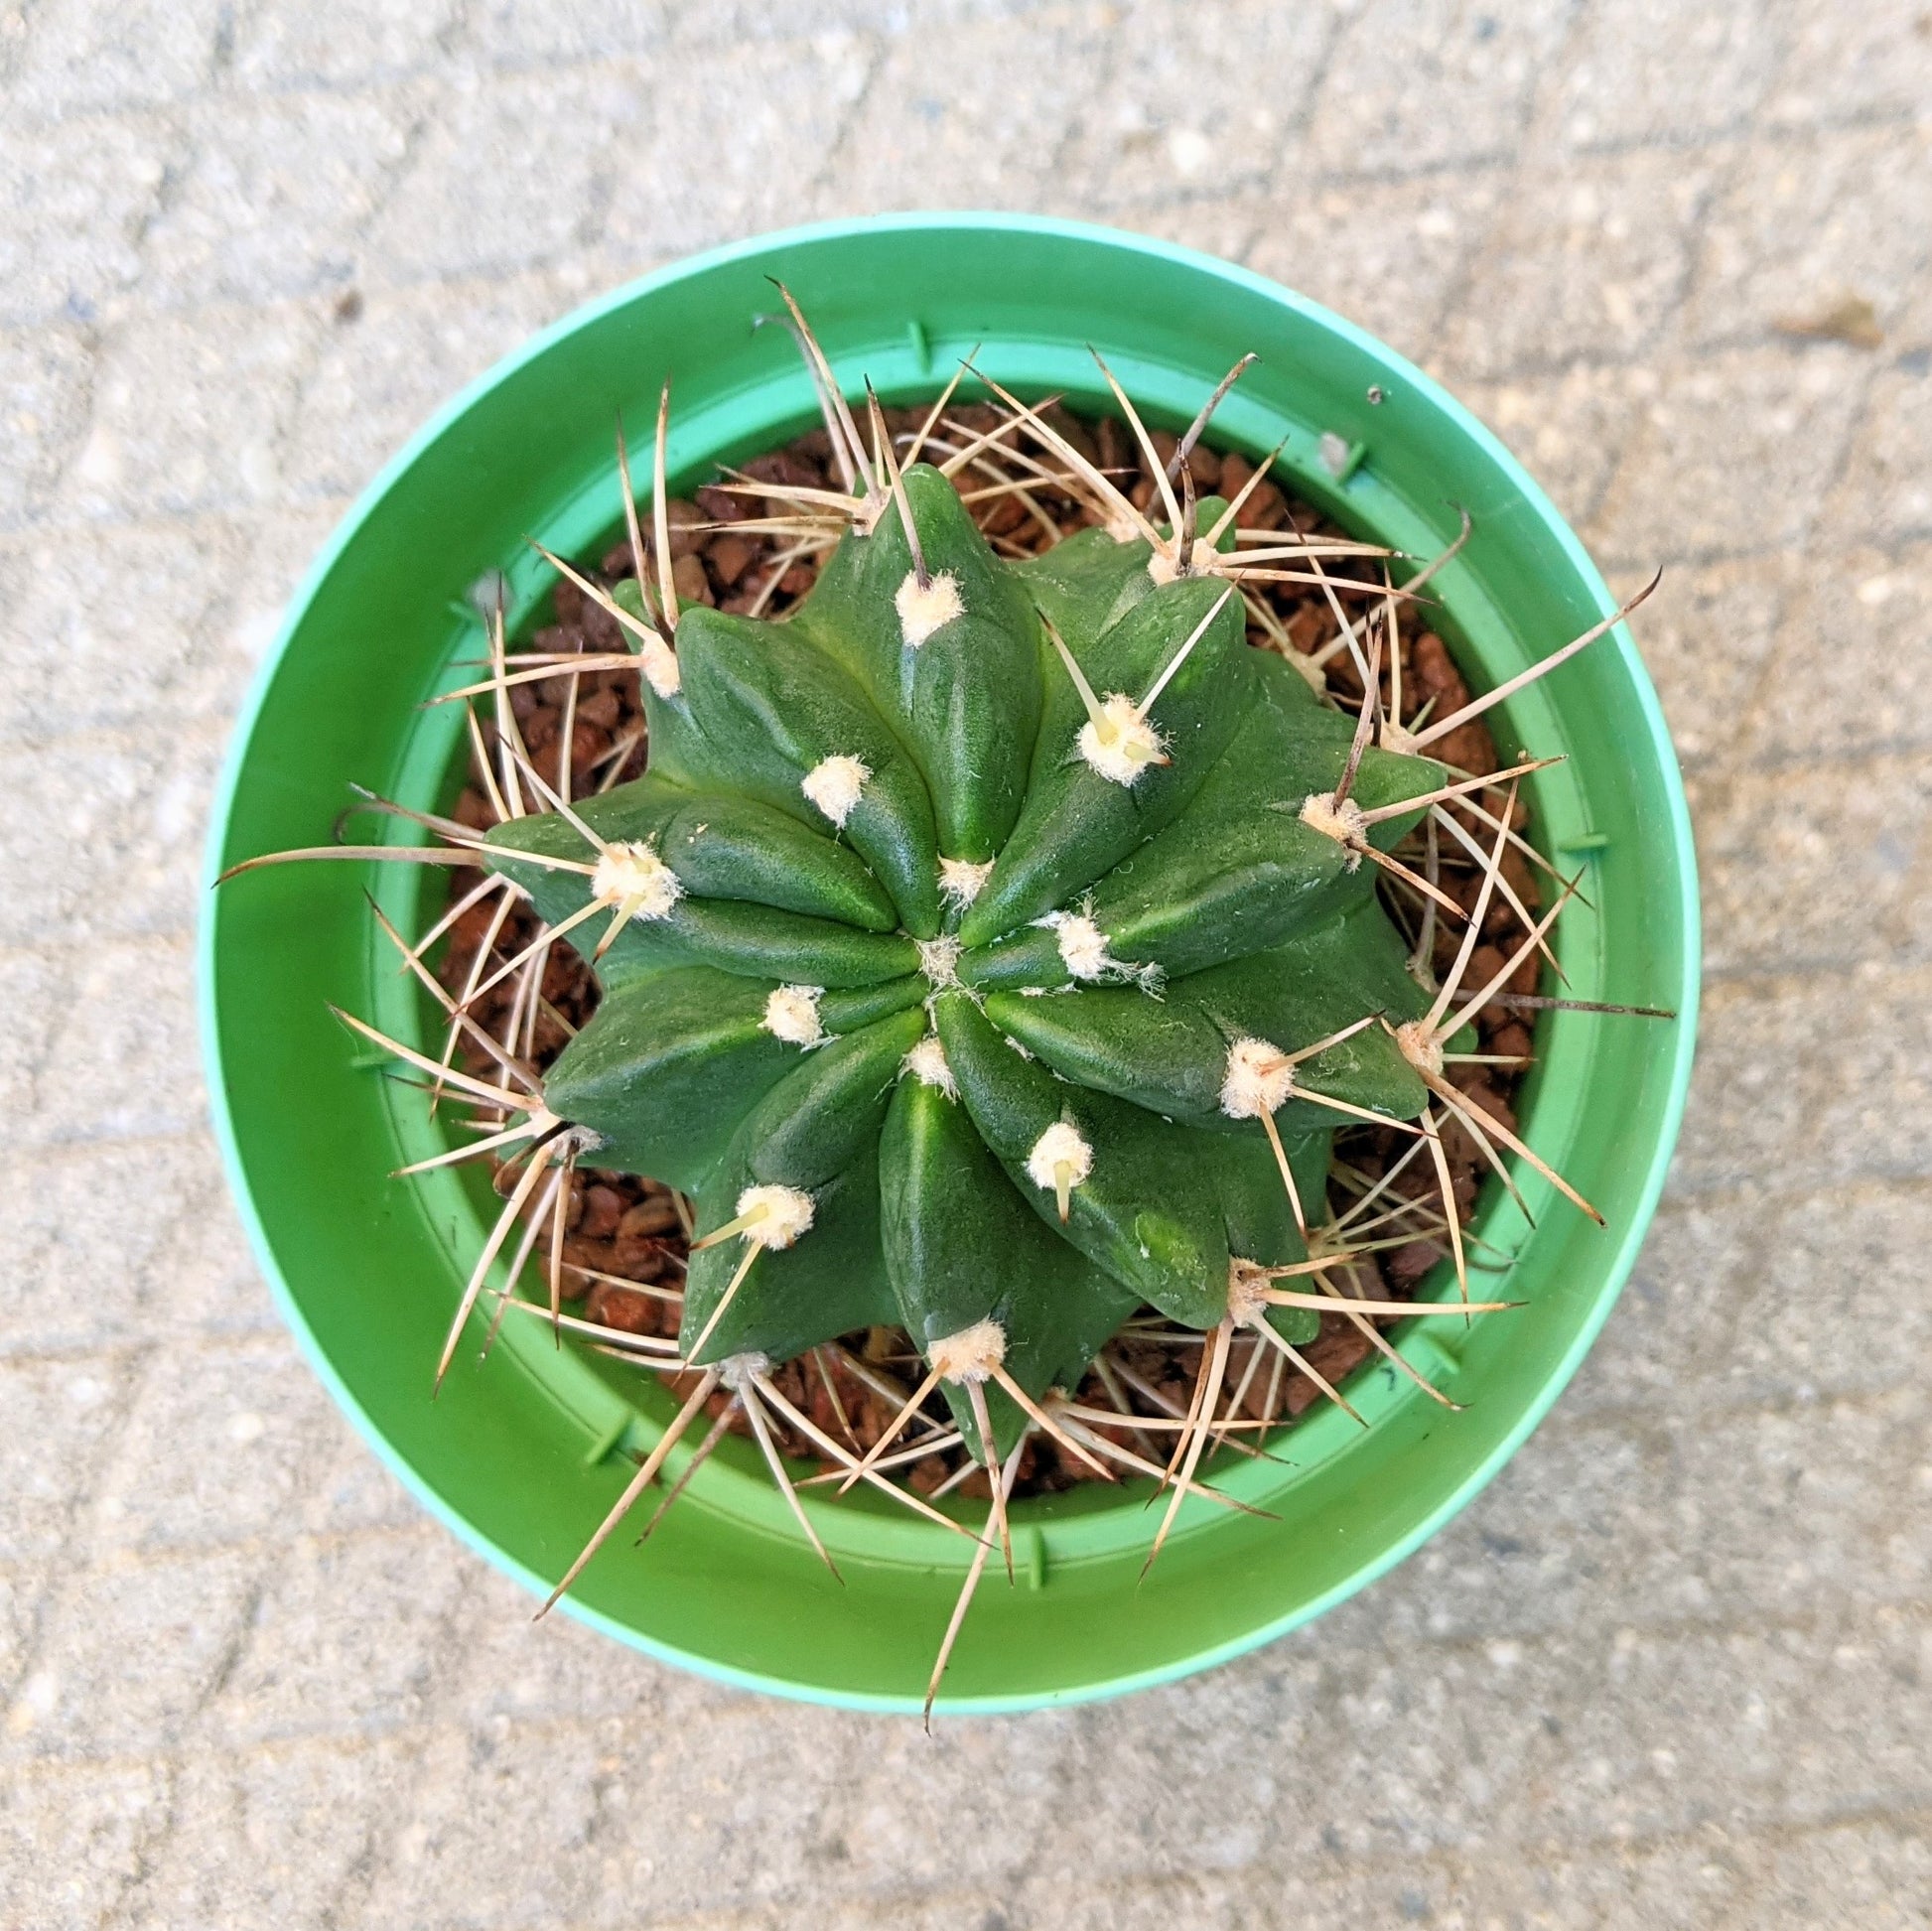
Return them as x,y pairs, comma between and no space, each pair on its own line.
986,951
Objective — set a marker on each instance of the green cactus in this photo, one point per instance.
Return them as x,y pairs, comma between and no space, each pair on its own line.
990,948
967,945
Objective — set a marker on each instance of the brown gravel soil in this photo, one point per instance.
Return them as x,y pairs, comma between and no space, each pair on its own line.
627,1237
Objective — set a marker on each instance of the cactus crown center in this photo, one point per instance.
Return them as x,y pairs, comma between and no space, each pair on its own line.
939,960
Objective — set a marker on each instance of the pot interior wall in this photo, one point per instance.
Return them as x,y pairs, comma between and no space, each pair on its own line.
518,1454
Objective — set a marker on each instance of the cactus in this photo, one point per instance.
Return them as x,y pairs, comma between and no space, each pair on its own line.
990,948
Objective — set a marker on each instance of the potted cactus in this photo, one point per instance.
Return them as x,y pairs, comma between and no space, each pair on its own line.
987,953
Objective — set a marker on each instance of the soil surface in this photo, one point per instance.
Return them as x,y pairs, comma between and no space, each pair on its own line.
627,1237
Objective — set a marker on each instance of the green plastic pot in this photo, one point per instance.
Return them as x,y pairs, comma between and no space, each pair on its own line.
522,1454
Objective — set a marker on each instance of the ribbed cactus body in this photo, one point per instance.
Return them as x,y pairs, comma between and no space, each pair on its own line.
959,1001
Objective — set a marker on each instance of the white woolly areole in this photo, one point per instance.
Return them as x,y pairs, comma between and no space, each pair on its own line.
1259,1079
1121,744
787,1213
791,1014
661,667
923,606
960,880
834,785
1419,1045
1201,558
926,1062
1342,822
1247,1303
735,1370
939,960
1060,1146
1083,946
634,875
970,1355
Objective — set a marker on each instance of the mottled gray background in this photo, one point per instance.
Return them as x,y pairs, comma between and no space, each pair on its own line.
1671,1669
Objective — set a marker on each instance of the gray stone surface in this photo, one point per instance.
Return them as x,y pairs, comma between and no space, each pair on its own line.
1671,1670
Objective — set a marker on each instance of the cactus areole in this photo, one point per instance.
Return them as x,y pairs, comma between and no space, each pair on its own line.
991,950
